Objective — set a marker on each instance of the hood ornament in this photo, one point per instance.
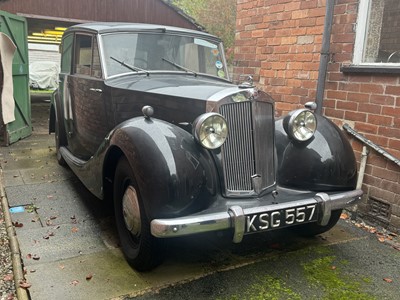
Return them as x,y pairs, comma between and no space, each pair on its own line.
249,82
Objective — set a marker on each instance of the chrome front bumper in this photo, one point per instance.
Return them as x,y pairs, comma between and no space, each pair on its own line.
235,216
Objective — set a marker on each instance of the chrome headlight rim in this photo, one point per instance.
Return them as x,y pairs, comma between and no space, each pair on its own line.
300,125
210,130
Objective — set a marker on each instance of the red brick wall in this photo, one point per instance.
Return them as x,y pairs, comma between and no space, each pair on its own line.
279,43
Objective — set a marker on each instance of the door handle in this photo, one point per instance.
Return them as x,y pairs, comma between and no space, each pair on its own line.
96,90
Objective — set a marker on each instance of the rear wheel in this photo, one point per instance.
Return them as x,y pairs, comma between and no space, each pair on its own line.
142,251
312,229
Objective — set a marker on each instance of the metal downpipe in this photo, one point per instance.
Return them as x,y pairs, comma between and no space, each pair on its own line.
324,59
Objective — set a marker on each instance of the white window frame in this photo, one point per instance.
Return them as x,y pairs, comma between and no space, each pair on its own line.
361,37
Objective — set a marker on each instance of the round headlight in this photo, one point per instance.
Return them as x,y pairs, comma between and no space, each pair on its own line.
210,130
300,125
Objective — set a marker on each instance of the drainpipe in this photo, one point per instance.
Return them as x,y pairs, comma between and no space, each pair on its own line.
324,59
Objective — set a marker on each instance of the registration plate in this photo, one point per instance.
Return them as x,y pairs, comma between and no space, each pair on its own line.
281,218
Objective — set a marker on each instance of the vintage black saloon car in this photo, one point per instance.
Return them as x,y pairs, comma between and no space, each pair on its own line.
147,117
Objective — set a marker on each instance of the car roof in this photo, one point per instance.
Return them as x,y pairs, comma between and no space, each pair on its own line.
109,27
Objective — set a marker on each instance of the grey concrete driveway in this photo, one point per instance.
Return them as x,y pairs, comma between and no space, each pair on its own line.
70,249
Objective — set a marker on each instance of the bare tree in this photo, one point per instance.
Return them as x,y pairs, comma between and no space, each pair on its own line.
217,16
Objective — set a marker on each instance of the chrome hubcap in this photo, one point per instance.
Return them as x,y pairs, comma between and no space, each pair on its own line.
131,210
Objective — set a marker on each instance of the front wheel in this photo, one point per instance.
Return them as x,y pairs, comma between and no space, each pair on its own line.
142,250
312,229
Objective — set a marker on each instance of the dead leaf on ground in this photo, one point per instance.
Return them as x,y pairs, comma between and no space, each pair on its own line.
75,229
344,216
8,277
389,280
24,284
333,267
10,296
74,282
18,224
89,276
381,239
35,257
62,267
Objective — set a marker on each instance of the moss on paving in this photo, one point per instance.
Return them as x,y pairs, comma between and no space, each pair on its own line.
322,273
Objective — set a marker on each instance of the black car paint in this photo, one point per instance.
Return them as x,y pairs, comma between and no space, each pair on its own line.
324,163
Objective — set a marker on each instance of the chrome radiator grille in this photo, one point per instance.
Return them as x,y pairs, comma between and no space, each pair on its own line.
249,149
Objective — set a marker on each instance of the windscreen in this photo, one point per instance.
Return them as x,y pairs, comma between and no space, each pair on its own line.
136,52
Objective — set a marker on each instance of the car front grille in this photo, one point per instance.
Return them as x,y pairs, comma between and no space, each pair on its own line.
248,153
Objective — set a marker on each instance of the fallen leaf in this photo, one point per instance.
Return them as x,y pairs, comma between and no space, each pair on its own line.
75,229
53,217
397,247
333,267
388,280
10,296
62,267
18,224
49,223
381,239
29,256
393,234
24,284
344,216
15,176
35,257
32,270
372,230
8,277
74,282
89,276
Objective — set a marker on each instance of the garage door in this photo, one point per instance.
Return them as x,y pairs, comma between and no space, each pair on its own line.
15,27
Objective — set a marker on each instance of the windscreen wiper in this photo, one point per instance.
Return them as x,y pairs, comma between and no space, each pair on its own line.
180,67
130,67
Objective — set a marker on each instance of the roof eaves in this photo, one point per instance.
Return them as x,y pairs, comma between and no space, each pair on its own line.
183,14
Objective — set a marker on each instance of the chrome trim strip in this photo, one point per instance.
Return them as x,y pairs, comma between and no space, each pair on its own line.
235,216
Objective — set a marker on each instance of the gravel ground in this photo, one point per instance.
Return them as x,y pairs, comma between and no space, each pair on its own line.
7,286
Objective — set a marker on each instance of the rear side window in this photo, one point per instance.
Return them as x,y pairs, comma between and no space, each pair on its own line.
66,54
83,54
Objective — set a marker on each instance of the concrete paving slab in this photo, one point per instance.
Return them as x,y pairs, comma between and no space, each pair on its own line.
54,243
111,277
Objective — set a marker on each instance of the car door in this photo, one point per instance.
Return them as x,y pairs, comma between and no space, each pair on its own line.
85,111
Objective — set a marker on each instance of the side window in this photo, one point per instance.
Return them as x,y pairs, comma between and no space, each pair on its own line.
83,54
66,54
96,66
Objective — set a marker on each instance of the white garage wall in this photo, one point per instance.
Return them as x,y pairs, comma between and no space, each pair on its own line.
43,52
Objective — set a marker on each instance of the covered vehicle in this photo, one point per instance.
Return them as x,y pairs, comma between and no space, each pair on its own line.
147,117
44,75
